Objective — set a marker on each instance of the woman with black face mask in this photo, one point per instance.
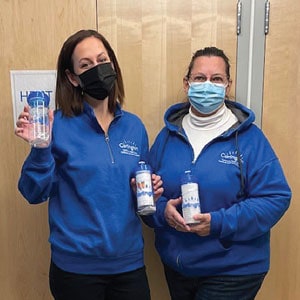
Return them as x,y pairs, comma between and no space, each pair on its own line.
85,171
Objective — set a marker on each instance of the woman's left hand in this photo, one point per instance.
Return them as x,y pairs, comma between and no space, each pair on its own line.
202,228
156,184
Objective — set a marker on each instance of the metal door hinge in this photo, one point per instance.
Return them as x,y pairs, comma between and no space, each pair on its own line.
267,16
239,18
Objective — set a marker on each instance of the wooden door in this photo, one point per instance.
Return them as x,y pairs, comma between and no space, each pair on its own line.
281,123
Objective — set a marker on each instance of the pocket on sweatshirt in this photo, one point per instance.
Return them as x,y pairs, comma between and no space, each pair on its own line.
193,255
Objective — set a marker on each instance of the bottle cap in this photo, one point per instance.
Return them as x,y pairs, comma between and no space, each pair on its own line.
143,166
38,95
187,177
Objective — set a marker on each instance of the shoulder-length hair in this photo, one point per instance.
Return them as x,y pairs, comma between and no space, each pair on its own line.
69,98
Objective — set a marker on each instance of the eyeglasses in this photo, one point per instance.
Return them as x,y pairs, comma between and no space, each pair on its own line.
216,79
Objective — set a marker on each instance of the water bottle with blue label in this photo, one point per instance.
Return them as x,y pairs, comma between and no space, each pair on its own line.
190,198
39,130
144,190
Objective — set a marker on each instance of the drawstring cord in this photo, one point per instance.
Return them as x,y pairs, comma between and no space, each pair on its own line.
241,192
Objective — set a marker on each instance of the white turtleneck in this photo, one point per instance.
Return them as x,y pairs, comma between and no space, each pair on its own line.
201,130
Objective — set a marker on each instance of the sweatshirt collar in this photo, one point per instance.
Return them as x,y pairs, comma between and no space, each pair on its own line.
174,115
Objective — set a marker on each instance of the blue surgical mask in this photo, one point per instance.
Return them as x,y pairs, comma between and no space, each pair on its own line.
206,97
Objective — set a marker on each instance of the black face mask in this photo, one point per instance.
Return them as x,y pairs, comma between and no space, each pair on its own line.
98,81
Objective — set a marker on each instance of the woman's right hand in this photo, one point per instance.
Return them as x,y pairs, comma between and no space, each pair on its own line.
173,217
22,125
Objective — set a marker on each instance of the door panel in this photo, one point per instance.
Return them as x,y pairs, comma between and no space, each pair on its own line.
281,124
154,42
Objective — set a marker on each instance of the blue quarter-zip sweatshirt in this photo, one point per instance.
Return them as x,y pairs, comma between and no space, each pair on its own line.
242,186
86,177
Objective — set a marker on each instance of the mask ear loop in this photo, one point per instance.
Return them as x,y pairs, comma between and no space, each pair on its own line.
227,84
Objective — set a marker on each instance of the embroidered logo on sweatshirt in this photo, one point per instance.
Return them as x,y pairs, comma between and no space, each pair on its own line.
129,148
230,158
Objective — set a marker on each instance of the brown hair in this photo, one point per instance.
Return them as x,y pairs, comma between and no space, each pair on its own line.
69,98
209,51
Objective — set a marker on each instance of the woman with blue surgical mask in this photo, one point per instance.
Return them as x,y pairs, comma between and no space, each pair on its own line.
225,253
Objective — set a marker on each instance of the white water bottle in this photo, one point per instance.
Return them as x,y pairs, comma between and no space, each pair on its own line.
144,191
190,198
39,130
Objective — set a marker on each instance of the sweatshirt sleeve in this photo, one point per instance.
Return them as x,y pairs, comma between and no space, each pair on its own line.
267,198
37,175
158,218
